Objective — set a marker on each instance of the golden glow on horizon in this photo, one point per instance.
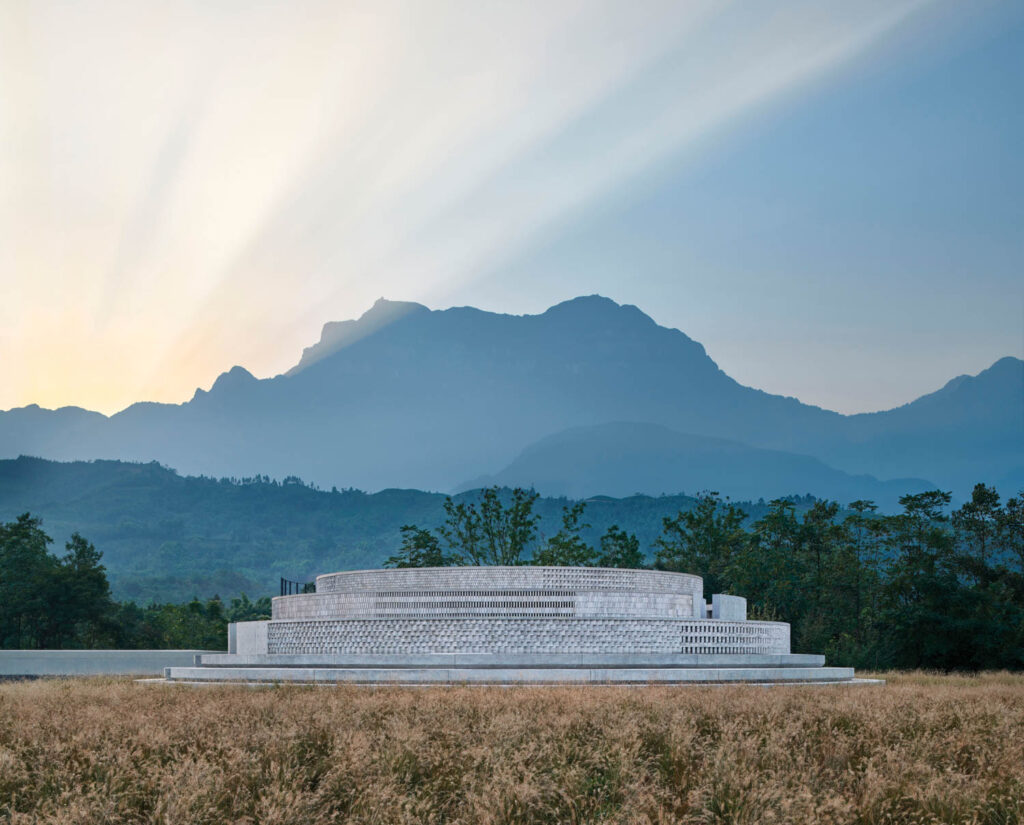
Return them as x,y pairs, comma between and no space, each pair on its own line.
189,186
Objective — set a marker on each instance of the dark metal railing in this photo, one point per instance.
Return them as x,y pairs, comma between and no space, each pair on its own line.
290,588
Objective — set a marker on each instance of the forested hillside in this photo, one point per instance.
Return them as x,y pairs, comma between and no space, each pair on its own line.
167,537
929,587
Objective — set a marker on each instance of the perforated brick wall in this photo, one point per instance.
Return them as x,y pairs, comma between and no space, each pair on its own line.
712,636
496,635
510,578
510,610
482,603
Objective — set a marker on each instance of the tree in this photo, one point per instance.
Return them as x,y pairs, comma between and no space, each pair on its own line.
567,548
509,532
420,548
26,568
818,544
859,573
494,533
81,601
769,566
243,609
620,549
462,532
703,540
819,538
488,531
926,601
46,601
1011,530
977,522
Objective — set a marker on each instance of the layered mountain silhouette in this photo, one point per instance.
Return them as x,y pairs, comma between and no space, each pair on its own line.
409,397
623,459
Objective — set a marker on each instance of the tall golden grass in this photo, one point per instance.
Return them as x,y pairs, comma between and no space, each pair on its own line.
923,748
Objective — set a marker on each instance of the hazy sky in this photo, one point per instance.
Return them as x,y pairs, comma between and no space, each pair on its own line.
826,194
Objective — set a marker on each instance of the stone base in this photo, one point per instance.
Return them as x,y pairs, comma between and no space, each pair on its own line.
514,661
522,669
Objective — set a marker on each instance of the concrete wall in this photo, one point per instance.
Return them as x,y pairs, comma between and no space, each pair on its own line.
516,660
513,578
525,635
93,662
547,675
728,608
441,604
250,638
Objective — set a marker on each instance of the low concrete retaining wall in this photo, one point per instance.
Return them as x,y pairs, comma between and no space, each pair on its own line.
411,675
93,662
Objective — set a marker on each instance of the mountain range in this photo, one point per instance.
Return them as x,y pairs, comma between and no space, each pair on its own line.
623,459
590,397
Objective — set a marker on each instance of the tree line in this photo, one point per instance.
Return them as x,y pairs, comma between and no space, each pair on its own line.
50,601
167,537
923,588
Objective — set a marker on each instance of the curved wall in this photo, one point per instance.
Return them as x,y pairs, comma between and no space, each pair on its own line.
466,604
511,592
501,610
510,578
497,636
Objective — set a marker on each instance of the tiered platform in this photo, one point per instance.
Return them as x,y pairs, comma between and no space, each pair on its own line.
504,625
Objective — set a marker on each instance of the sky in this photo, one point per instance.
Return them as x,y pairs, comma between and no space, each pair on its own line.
827,195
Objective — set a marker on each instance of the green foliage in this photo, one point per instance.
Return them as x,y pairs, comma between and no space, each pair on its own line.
977,522
420,548
46,601
1010,521
27,581
167,538
921,588
192,625
487,531
620,549
51,602
917,589
567,547
508,532
706,538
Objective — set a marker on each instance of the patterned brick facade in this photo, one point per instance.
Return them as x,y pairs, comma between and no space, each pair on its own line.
561,610
496,635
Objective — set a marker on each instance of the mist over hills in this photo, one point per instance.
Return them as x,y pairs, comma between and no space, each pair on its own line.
623,459
409,397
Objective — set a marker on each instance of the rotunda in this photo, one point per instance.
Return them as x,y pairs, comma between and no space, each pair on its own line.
509,625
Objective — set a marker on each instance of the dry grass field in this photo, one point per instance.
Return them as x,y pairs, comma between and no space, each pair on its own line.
921,749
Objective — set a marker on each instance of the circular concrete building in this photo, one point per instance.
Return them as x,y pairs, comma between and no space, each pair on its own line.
509,625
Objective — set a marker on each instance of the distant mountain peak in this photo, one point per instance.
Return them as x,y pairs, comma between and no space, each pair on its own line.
234,377
587,302
227,382
336,335
384,308
1007,365
591,307
1005,376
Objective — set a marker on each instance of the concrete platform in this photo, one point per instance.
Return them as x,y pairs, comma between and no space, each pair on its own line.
512,660
509,625
507,675
855,682
42,663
